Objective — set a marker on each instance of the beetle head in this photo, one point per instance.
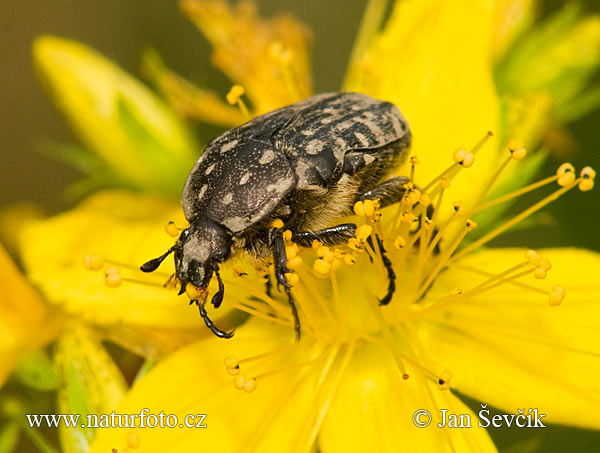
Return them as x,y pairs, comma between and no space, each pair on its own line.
198,251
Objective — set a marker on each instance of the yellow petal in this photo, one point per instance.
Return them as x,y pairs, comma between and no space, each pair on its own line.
373,410
277,416
433,61
269,58
127,230
511,18
25,322
509,348
188,100
115,115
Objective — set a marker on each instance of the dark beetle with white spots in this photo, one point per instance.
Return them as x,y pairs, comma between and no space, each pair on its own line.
306,164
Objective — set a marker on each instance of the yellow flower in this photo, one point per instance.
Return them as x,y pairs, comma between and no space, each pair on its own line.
25,321
464,319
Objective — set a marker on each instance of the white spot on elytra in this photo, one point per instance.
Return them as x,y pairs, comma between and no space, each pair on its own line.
229,146
267,157
314,147
364,141
228,198
209,169
245,177
202,191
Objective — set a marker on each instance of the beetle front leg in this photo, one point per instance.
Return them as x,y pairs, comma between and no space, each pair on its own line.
280,259
218,332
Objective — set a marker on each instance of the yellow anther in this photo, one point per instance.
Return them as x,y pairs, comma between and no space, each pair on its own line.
413,197
369,208
456,292
250,385
587,179
515,144
294,263
518,154
93,262
459,155
459,208
566,174
133,440
231,362
539,273
462,157
316,244
363,232
425,200
471,225
408,217
557,294
339,253
428,224
399,242
468,161
321,267
329,256
171,229
359,208
322,250
414,160
533,257
517,149
239,382
277,223
113,280
444,380
587,173
235,93
292,278
377,203
545,264
350,259
355,244
291,251
287,235
445,182
586,184
193,292
112,270
233,371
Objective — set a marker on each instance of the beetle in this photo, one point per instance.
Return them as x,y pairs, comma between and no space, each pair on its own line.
306,164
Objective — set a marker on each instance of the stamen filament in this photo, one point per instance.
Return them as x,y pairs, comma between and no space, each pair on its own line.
441,263
515,194
532,209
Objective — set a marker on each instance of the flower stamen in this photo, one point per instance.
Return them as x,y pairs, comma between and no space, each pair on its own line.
234,97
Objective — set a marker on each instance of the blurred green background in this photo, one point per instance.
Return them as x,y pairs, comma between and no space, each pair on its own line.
121,29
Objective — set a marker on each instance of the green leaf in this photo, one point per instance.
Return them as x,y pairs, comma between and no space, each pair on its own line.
9,436
91,384
36,370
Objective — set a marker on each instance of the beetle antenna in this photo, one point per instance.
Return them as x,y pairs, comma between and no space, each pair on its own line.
153,264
